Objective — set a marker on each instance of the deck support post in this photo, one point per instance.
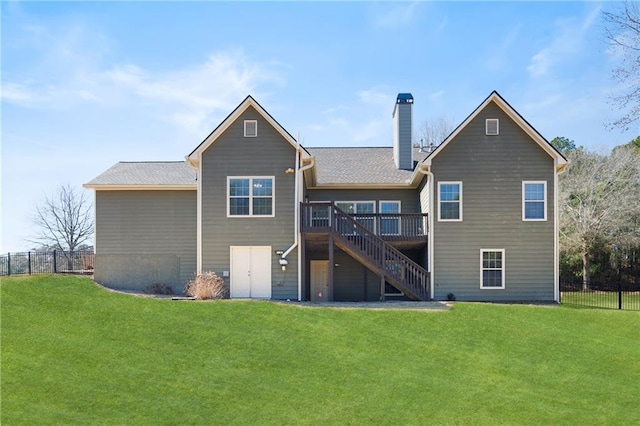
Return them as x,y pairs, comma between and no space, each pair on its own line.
303,268
331,267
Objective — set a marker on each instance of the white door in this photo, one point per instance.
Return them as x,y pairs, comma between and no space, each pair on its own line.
319,285
251,272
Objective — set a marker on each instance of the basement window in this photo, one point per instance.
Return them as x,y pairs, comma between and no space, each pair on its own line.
250,128
492,126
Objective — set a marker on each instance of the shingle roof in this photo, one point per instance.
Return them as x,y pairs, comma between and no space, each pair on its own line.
147,173
358,166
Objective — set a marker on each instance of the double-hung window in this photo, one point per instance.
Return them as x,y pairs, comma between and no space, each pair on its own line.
492,268
534,200
250,196
449,201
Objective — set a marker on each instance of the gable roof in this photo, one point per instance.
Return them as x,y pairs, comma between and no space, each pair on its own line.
561,161
146,175
194,157
359,167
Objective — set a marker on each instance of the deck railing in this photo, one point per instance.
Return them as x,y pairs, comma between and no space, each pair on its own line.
316,217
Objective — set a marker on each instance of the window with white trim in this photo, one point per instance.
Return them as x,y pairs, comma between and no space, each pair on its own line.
534,200
449,201
390,222
360,211
492,126
250,128
250,196
492,268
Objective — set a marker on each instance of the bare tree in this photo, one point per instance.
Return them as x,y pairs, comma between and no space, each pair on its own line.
432,132
64,220
599,202
622,29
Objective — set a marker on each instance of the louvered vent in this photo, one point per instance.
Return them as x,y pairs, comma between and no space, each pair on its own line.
492,126
250,128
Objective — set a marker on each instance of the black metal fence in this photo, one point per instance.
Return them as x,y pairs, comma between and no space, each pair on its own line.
608,294
47,262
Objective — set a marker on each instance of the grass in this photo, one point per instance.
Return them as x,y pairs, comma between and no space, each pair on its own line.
73,353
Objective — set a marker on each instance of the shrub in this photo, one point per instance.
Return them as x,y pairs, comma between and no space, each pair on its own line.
206,286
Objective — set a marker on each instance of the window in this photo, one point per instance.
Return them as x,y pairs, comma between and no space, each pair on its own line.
534,200
492,268
362,211
250,196
450,205
390,223
320,215
250,128
492,126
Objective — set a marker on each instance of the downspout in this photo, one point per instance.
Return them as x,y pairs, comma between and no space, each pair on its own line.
296,212
556,230
425,170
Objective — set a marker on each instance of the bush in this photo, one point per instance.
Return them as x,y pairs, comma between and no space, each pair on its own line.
206,286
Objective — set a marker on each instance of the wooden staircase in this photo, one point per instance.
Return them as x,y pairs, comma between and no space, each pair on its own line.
379,256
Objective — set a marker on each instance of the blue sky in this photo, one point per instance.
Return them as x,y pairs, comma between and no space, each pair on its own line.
85,85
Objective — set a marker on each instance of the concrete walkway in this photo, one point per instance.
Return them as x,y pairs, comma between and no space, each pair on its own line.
423,306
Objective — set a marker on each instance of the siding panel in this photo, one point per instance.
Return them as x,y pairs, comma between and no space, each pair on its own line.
492,169
409,200
151,224
232,154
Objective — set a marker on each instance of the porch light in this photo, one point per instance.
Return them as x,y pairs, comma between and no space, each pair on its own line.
283,263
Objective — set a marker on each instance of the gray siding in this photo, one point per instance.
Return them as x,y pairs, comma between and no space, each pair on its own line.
352,281
402,134
232,154
409,202
423,190
492,169
145,237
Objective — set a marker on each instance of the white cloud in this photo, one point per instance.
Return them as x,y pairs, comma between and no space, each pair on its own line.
194,93
189,95
436,95
375,96
567,43
397,16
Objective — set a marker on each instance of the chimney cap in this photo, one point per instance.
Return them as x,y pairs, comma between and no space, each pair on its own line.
404,98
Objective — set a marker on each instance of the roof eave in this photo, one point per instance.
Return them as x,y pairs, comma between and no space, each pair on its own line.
515,116
137,187
407,185
193,157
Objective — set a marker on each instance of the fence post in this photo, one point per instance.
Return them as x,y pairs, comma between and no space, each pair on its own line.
8,263
619,294
55,266
29,262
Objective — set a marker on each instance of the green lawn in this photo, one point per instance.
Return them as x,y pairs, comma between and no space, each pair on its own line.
73,353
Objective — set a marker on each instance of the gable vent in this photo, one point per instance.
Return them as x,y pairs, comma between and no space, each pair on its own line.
492,126
250,128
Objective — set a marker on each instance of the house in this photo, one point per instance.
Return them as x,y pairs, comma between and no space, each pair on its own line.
474,219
